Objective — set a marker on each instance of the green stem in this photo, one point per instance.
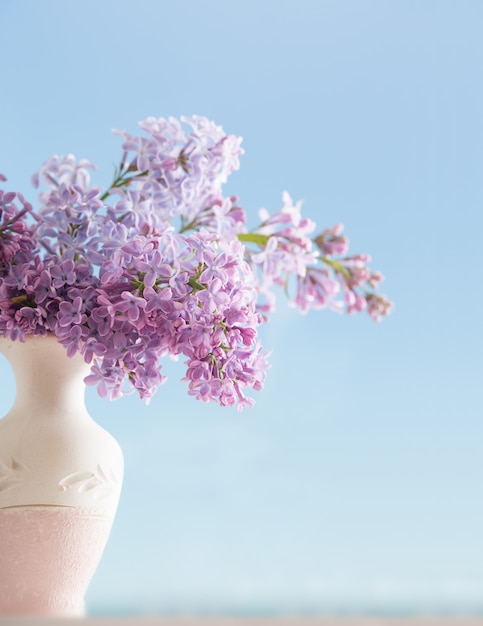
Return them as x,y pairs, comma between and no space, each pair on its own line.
189,226
122,181
336,266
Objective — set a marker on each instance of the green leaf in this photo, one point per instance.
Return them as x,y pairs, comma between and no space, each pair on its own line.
195,285
257,238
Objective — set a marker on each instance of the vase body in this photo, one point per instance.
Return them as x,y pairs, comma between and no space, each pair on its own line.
60,481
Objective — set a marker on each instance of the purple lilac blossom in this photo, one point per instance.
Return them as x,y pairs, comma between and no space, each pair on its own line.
161,264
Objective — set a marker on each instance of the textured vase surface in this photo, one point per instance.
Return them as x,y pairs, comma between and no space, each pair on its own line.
60,481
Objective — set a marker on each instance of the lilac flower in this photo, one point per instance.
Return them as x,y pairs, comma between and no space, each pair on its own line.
64,170
15,235
331,241
162,264
70,312
130,306
63,274
43,287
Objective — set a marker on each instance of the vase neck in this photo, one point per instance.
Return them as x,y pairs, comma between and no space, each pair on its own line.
47,380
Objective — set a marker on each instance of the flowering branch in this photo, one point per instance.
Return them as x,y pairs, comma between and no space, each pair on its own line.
111,276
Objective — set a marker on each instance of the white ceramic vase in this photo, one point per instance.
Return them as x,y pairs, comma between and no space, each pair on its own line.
60,481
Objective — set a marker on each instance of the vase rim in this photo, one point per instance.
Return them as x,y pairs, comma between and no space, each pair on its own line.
31,341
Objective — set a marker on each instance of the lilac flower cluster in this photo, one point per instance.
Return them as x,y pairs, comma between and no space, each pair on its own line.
162,264
15,237
317,268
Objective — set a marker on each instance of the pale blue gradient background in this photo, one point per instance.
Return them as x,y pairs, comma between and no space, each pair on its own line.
355,484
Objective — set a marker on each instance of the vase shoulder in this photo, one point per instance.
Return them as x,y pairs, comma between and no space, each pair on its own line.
51,450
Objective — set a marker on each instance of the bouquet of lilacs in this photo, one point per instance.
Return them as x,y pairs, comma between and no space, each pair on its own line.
163,264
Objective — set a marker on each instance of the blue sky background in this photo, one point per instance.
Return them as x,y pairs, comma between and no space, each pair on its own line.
355,484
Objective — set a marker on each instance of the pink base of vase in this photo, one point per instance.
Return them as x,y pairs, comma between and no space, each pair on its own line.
48,555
